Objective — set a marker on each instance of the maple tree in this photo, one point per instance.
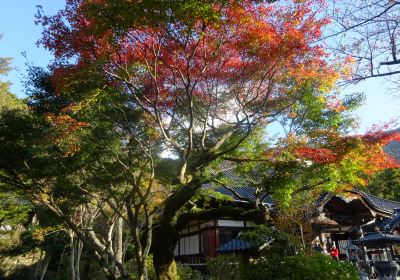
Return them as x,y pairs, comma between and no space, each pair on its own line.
204,81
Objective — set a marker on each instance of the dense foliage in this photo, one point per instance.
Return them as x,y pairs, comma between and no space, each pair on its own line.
386,184
224,267
301,267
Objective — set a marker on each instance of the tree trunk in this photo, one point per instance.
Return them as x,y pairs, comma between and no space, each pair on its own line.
78,259
60,261
165,238
166,235
76,246
46,264
142,270
119,239
72,257
38,264
166,269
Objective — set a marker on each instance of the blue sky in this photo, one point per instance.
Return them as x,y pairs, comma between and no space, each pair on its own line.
20,35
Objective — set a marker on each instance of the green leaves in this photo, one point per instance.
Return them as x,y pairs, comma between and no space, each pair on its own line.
301,267
8,101
122,15
13,209
224,267
386,184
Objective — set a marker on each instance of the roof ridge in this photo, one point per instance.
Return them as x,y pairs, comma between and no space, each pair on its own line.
394,201
370,194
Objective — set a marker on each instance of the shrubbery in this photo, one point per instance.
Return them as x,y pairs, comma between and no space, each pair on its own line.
223,267
186,273
282,260
300,267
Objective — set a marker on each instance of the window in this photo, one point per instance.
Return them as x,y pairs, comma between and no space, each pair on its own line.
227,234
189,245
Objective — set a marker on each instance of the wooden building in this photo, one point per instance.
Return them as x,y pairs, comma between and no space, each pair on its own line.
348,216
338,219
201,239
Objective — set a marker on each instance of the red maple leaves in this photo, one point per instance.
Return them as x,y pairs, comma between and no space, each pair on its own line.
317,155
256,46
367,151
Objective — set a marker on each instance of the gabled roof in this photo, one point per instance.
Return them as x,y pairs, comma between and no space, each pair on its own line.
239,191
374,202
380,204
237,187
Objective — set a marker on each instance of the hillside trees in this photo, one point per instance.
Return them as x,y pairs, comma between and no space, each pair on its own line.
204,75
386,184
7,100
37,172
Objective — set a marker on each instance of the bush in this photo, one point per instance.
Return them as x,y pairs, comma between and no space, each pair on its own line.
300,267
186,273
224,267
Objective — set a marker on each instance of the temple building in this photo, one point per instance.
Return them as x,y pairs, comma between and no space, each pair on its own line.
353,221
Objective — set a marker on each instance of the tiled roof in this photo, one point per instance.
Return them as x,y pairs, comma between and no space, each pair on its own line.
323,197
378,237
235,245
243,192
239,244
249,193
389,224
227,170
381,204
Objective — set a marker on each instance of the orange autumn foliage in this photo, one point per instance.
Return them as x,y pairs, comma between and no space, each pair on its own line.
317,155
65,132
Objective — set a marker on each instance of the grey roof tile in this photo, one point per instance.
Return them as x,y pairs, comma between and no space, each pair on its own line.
389,224
235,245
241,187
385,205
248,193
378,237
